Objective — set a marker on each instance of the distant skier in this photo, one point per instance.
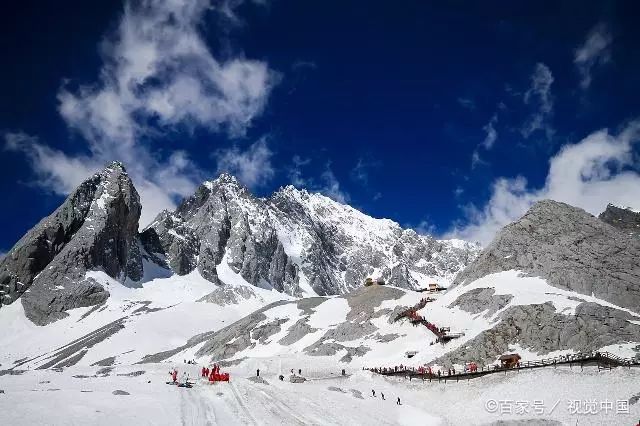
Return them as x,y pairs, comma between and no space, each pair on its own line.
398,401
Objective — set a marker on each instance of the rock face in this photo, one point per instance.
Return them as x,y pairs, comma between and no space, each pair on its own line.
95,228
541,329
568,247
268,325
295,242
626,220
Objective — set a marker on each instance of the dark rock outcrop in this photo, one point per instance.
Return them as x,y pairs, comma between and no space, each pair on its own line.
541,329
95,228
571,249
294,239
626,220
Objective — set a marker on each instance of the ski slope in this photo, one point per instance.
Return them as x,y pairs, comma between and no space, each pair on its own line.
80,396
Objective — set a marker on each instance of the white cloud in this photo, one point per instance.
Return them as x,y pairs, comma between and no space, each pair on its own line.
492,134
327,183
359,172
55,170
252,167
295,172
423,228
332,188
158,75
598,170
539,97
595,51
467,103
62,173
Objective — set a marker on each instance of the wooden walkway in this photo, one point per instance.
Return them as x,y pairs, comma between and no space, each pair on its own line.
604,360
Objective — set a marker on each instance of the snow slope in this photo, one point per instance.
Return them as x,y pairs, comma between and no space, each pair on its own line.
357,329
161,315
82,395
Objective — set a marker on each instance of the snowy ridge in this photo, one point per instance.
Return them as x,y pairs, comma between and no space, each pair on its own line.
297,242
357,329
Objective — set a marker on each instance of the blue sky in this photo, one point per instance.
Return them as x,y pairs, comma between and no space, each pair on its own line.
449,118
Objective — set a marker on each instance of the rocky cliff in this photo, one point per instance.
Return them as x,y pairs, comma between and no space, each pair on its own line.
95,228
626,220
568,247
296,242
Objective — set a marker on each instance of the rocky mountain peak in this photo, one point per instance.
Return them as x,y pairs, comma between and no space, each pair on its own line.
625,219
568,247
94,228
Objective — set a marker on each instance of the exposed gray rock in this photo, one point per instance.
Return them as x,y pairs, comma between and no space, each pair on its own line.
300,329
568,247
336,389
541,329
224,344
95,228
351,352
356,393
73,352
262,333
255,379
132,374
104,372
227,295
386,338
480,300
224,220
120,392
626,220
105,362
272,243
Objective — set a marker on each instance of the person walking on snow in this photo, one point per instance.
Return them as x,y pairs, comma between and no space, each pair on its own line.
258,372
398,401
373,392
381,394
174,375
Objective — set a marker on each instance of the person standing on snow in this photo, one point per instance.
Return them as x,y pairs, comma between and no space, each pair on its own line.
398,401
258,372
373,392
381,394
203,372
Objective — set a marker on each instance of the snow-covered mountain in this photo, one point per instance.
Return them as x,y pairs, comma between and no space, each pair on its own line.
297,242
294,242
557,281
220,280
